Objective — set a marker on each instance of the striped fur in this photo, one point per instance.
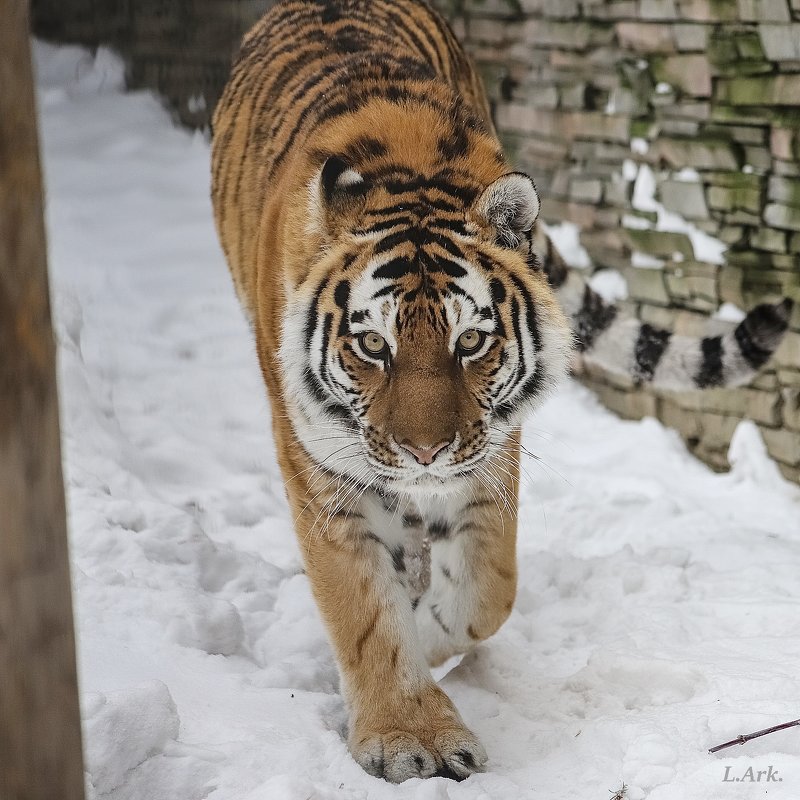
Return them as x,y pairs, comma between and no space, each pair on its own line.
385,253
624,345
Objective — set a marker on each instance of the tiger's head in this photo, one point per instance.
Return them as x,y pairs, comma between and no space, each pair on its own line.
425,330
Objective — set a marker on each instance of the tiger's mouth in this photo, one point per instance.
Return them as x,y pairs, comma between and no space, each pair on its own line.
434,479
421,487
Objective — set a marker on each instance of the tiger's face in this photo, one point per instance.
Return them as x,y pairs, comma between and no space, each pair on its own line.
422,337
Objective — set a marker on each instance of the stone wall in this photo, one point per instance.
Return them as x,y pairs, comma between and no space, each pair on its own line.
665,129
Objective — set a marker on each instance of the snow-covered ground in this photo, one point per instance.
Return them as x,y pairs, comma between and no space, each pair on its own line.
659,603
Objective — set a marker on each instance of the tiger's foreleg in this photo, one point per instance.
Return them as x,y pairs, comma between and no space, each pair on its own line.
473,571
402,724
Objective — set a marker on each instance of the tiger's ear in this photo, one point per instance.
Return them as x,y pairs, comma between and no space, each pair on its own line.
510,205
337,197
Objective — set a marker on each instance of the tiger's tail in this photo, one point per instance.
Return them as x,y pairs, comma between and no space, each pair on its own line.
624,345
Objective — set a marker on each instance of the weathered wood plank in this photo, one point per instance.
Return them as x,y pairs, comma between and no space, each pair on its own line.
40,744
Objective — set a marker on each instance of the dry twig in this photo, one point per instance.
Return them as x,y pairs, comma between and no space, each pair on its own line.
747,737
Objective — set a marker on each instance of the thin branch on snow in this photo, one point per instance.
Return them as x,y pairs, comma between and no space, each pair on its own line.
747,737
621,793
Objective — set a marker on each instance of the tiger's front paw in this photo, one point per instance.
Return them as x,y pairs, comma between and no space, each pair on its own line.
420,743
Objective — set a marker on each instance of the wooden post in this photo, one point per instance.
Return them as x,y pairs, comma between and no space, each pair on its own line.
40,741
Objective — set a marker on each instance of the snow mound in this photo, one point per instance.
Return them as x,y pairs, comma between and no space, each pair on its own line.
131,749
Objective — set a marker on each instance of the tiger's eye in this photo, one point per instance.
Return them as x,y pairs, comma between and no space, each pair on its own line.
470,341
373,343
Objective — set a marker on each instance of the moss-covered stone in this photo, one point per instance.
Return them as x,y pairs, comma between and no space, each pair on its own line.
783,445
730,285
690,73
650,216
774,90
745,134
757,404
683,197
732,198
748,46
781,42
691,293
586,190
645,37
647,285
784,190
741,115
754,260
782,216
791,408
662,244
768,239
734,180
693,285
642,129
781,141
708,10
731,234
701,153
766,379
763,10
788,117
742,69
739,217
717,429
674,416
690,37
788,353
570,35
722,49
658,9
789,377
628,404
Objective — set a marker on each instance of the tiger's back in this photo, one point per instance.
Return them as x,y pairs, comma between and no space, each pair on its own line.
315,78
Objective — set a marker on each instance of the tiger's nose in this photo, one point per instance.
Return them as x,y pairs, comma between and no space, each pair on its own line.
424,455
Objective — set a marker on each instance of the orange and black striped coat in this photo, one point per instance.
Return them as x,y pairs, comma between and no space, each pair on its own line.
389,259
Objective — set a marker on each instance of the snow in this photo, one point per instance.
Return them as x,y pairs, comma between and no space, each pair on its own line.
706,247
566,236
645,260
729,312
610,284
657,612
687,175
644,190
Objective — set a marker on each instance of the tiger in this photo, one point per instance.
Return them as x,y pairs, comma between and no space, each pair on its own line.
408,314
